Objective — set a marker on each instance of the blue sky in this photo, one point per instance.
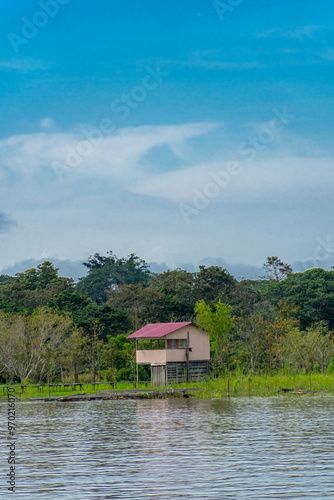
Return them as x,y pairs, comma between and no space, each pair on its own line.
185,132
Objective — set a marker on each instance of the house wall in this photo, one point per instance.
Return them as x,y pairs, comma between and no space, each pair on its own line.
199,341
148,356
160,355
176,355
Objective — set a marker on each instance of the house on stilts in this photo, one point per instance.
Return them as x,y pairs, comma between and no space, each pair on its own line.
178,352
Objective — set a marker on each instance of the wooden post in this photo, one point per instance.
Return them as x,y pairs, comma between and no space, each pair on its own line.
187,359
228,374
137,366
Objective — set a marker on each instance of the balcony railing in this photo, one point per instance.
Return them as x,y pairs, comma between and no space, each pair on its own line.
148,356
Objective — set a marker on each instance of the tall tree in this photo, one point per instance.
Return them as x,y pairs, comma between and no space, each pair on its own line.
73,353
106,273
85,313
5,280
93,349
120,355
176,287
247,297
312,291
276,269
27,343
212,284
217,322
142,304
35,287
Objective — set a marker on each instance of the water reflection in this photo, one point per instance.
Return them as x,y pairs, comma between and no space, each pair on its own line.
246,448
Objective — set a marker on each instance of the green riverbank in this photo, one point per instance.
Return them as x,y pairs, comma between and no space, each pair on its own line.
239,386
34,392
262,385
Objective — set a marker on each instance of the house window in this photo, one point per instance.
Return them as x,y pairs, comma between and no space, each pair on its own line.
176,344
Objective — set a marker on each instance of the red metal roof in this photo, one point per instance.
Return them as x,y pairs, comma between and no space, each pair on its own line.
156,330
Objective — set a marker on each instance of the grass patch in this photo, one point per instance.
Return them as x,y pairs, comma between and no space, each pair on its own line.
240,385
30,391
262,385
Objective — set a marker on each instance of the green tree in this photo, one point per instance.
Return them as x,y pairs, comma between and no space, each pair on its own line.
105,273
119,357
176,287
35,287
93,350
276,269
301,350
324,346
212,284
73,353
330,367
217,322
259,338
312,291
141,304
247,297
27,343
249,333
85,313
167,297
5,280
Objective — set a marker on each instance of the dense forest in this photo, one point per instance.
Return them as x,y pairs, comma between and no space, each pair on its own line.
52,328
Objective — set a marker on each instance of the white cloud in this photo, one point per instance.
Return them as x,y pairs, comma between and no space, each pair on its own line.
115,200
216,64
263,180
113,156
118,158
47,122
299,33
329,54
21,65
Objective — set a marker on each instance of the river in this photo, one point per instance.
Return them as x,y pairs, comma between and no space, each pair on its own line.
245,448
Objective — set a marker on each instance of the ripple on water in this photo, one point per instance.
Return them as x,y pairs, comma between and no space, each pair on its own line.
247,448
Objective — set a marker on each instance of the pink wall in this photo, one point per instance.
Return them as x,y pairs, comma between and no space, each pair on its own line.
160,356
151,356
199,343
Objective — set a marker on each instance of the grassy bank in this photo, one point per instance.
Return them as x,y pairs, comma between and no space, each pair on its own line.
262,385
257,385
33,392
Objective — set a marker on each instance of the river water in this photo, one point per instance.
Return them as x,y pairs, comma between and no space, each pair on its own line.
245,448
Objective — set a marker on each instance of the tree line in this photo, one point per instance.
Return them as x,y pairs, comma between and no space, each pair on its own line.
53,328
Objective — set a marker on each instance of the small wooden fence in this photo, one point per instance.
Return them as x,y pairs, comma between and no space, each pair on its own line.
70,386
